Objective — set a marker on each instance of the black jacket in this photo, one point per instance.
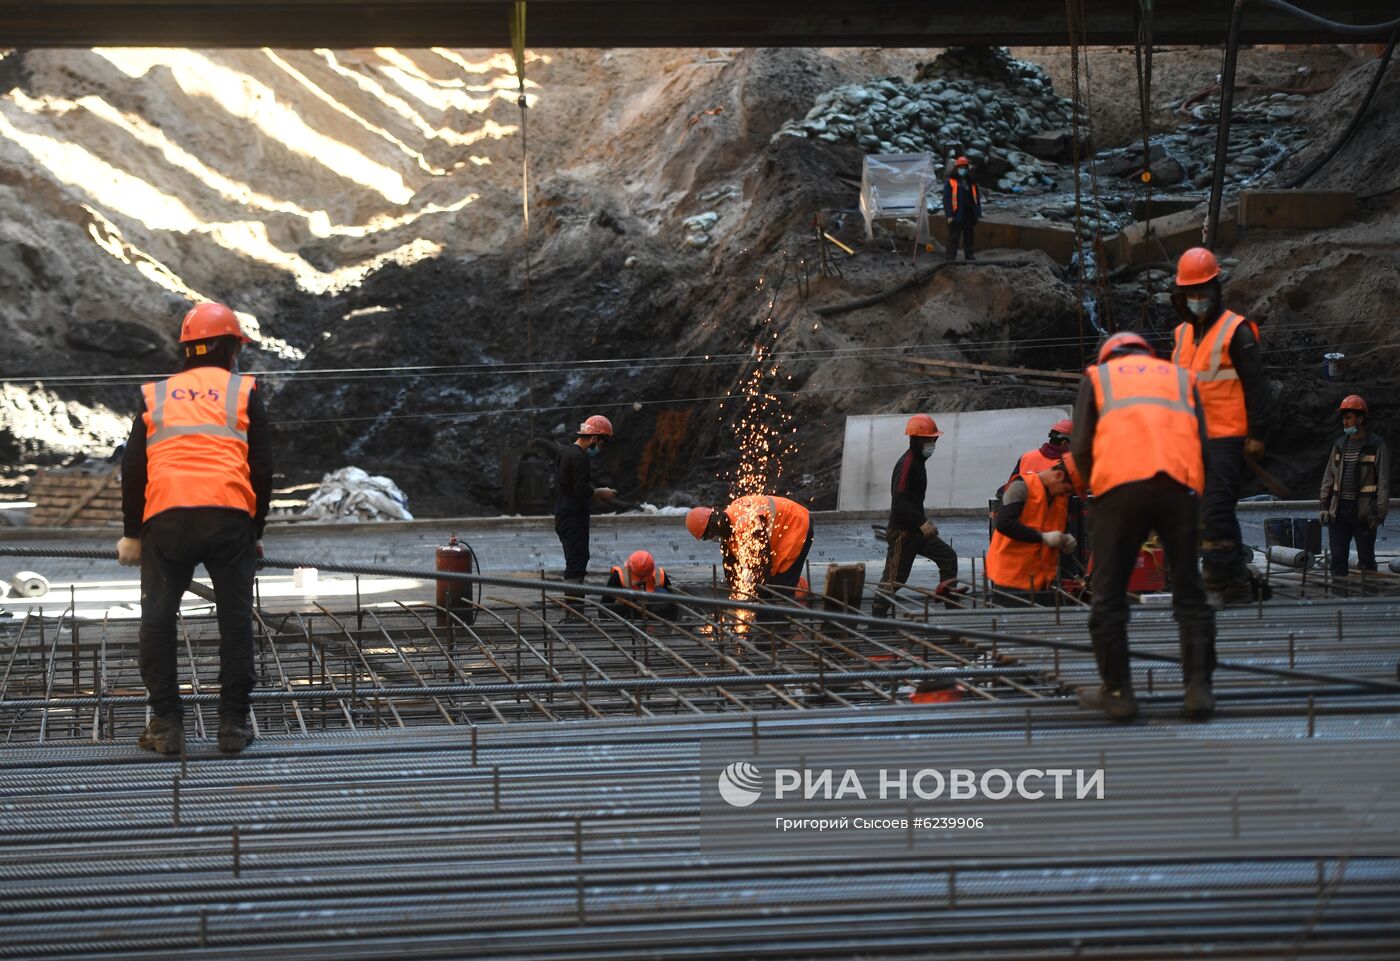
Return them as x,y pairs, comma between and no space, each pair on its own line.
573,482
908,484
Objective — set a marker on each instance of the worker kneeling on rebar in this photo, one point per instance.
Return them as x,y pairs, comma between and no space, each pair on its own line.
1140,440
196,487
642,573
1023,563
764,539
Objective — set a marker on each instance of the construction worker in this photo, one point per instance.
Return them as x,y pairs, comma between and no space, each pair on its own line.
766,536
1355,493
641,573
962,206
910,532
1045,456
1222,349
1023,562
575,494
1139,441
196,486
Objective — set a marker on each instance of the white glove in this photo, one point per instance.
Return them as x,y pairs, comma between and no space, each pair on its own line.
129,552
1052,539
929,529
604,493
1068,545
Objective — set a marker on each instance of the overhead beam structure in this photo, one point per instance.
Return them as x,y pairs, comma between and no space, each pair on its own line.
638,23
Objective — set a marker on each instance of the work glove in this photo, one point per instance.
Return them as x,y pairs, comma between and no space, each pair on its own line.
928,529
1068,545
1053,539
1254,449
129,552
604,493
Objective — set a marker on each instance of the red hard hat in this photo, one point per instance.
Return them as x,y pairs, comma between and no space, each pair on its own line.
922,425
211,320
1196,266
1354,402
596,426
641,564
1122,343
962,162
1064,426
697,520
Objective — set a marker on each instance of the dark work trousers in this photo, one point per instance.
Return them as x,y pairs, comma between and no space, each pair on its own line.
1224,559
1346,526
1121,520
904,546
955,230
173,543
1007,597
789,576
572,529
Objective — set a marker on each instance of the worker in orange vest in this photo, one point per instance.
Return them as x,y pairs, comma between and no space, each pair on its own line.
1024,559
1045,456
1222,349
773,533
1139,442
641,573
962,206
196,487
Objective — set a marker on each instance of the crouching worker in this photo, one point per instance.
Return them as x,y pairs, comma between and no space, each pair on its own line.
641,573
763,539
1023,562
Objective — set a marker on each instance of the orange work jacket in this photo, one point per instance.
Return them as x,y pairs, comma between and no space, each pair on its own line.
197,441
1222,394
786,521
1148,424
1021,565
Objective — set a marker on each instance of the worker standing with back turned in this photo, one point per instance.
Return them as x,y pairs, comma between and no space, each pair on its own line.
196,487
574,495
1139,441
1222,349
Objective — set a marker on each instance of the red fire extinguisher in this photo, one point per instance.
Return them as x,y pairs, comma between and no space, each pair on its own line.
456,596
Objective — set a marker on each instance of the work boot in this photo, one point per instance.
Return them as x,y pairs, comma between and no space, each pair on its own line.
1120,704
164,735
1115,697
1197,665
235,733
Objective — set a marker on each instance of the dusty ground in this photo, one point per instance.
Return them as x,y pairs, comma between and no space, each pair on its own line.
363,209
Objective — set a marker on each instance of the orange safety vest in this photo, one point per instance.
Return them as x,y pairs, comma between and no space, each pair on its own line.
656,581
787,522
972,187
197,441
1222,395
1021,565
1033,462
1148,424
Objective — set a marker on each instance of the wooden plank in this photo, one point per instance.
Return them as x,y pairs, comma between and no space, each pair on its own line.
1069,377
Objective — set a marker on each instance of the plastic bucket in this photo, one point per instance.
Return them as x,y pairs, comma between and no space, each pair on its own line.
1332,365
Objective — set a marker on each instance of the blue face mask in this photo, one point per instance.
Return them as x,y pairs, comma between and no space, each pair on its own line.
593,451
962,171
1349,430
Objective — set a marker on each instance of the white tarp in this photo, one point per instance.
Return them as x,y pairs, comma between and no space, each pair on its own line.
896,185
352,494
973,458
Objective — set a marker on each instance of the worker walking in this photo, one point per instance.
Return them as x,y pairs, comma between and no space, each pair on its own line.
574,495
962,206
1222,349
642,573
1355,493
765,535
196,487
1023,562
1139,441
910,532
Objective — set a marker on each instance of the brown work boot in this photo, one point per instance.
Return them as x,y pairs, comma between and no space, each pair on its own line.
1119,704
1197,665
235,733
164,735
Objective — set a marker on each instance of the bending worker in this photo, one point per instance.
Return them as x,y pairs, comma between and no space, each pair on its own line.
1222,349
910,533
196,487
1024,559
575,494
1045,456
641,573
1140,441
771,536
1355,493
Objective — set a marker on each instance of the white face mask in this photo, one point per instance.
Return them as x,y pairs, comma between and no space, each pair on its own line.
1200,306
926,451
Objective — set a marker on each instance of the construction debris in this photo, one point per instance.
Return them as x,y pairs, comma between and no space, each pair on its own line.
352,494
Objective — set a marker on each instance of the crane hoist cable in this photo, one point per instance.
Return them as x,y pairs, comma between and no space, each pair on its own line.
517,42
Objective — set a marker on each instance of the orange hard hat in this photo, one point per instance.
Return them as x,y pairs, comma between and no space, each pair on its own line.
962,162
1355,402
1196,266
1063,426
697,520
596,426
1072,472
211,320
641,564
1124,342
922,425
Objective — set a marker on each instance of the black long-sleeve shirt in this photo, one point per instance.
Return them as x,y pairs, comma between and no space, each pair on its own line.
573,482
1247,356
1086,422
259,467
908,485
1009,514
